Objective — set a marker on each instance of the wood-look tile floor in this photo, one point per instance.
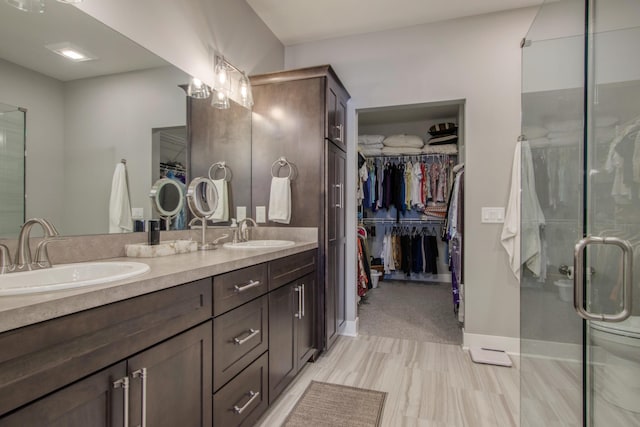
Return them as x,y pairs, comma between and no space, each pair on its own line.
428,384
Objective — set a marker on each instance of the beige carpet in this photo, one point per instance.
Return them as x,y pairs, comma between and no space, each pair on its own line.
415,311
332,405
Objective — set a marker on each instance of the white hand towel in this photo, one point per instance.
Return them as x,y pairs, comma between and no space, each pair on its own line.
280,200
221,214
120,220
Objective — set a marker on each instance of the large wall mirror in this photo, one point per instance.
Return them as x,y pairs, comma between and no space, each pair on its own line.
82,118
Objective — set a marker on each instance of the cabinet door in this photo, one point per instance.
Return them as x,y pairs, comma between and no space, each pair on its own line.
341,241
306,322
283,305
90,402
175,389
336,113
330,308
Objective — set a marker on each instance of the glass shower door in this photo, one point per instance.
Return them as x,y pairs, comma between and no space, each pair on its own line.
612,215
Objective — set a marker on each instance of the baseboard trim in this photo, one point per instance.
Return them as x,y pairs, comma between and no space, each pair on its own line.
508,344
552,350
350,328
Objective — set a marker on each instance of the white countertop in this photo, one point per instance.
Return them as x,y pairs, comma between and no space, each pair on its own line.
165,272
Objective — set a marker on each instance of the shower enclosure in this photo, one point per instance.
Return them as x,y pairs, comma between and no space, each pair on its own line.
12,178
580,334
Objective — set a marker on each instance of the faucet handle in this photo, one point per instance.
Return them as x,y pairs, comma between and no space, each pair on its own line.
5,259
42,255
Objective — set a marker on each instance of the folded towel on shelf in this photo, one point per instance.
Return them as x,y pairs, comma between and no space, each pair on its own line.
120,220
378,145
221,214
371,152
444,139
440,149
401,151
413,141
370,139
280,200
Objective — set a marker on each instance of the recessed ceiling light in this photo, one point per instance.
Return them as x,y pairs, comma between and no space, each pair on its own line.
70,52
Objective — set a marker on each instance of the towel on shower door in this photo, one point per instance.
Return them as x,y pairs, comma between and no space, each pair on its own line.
280,200
221,214
120,220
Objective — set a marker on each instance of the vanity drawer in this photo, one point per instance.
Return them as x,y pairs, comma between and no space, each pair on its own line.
237,287
239,337
244,399
288,269
40,358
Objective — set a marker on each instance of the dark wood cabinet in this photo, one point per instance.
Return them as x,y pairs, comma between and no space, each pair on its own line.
335,290
309,129
291,331
166,385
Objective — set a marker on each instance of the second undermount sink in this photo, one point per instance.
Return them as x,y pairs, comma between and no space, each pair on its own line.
68,276
260,244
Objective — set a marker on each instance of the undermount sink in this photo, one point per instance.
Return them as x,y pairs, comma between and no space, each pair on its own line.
68,276
260,244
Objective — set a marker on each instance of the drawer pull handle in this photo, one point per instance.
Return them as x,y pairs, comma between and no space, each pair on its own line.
124,384
251,284
253,395
252,333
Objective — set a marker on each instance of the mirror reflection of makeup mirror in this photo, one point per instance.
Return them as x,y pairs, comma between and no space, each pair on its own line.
202,198
168,198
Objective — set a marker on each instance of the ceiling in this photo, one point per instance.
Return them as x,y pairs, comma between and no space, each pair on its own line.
23,37
300,21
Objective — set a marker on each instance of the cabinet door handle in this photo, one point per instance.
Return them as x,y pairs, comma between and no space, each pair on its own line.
253,395
340,132
251,284
142,373
302,303
339,188
298,289
252,333
124,384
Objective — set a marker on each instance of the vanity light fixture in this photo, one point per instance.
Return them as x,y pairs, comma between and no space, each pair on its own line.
197,89
246,97
220,100
70,52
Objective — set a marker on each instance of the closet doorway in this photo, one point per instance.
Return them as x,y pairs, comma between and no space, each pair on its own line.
410,210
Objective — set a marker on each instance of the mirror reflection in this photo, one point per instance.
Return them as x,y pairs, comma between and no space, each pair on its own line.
168,196
82,118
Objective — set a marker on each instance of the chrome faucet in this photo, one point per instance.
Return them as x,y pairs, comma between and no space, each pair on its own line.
5,260
244,228
23,260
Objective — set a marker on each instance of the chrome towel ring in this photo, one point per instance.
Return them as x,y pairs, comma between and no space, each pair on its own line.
281,162
217,166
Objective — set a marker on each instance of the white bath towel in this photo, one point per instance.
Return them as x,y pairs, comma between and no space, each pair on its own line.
120,220
221,214
280,200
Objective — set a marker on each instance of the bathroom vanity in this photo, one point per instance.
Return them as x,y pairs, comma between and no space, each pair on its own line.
205,339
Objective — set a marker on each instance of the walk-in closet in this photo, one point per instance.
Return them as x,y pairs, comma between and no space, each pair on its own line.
410,198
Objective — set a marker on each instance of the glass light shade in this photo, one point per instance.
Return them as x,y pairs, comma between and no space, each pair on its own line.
220,100
33,6
197,89
221,75
246,97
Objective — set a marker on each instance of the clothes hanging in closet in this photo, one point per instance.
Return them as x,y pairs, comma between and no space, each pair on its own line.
454,233
410,250
364,269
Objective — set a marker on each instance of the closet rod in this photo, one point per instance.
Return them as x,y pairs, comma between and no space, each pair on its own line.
410,156
402,221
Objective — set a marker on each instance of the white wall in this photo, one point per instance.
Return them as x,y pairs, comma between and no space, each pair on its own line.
137,102
43,97
476,59
182,32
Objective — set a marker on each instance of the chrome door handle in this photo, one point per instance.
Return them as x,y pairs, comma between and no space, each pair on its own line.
142,374
251,284
302,303
340,132
253,395
252,333
339,203
124,384
298,315
578,278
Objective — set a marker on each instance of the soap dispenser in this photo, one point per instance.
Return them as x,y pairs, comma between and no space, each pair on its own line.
234,230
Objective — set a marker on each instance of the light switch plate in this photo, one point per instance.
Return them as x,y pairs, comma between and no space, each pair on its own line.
493,215
261,214
137,213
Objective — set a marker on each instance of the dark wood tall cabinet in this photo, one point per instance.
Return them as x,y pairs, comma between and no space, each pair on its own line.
301,115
